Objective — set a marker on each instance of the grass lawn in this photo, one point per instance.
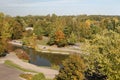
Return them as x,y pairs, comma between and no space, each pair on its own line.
38,76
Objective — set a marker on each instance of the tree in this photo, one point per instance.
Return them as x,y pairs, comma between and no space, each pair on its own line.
17,30
38,31
5,32
30,41
84,30
73,69
52,38
104,57
67,31
57,37
72,39
94,29
60,38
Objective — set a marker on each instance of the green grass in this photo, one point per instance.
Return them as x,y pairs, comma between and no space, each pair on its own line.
26,76
38,76
11,64
55,67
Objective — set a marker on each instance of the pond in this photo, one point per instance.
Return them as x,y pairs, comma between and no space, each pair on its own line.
43,59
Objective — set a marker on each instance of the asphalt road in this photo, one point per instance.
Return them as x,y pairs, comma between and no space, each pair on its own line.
7,73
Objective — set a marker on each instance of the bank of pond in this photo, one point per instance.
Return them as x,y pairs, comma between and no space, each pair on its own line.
43,59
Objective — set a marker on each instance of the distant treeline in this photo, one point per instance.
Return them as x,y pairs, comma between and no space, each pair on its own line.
67,30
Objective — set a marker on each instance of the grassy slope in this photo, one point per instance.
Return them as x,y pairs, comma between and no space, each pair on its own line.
11,64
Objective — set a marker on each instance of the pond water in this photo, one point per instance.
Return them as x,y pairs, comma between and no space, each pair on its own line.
43,59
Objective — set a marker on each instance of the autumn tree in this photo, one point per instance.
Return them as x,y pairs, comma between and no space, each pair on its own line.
30,41
103,56
17,30
60,38
84,30
5,32
73,69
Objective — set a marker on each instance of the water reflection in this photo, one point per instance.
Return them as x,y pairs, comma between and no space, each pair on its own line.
44,59
37,60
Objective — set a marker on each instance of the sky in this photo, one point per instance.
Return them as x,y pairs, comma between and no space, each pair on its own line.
60,7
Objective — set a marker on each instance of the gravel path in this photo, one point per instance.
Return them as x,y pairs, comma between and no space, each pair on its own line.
49,73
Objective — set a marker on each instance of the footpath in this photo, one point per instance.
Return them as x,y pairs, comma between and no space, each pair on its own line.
52,49
49,73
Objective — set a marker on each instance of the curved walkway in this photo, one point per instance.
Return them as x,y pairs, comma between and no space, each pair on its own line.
49,73
64,50
7,73
51,49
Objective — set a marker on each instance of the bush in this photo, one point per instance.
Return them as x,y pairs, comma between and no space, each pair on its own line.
4,53
54,66
26,76
22,54
39,76
62,43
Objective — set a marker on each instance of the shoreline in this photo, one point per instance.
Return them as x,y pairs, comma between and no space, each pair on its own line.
49,49
53,52
48,72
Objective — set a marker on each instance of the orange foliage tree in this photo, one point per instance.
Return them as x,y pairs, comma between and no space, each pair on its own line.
60,38
59,35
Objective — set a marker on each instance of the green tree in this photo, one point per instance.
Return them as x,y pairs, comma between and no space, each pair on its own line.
67,31
38,31
17,30
72,39
52,38
73,69
94,29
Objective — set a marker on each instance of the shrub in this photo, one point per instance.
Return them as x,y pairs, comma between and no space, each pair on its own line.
22,54
39,76
62,43
26,76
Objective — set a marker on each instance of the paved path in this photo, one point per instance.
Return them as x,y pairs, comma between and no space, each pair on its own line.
7,73
49,73
51,49
64,50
